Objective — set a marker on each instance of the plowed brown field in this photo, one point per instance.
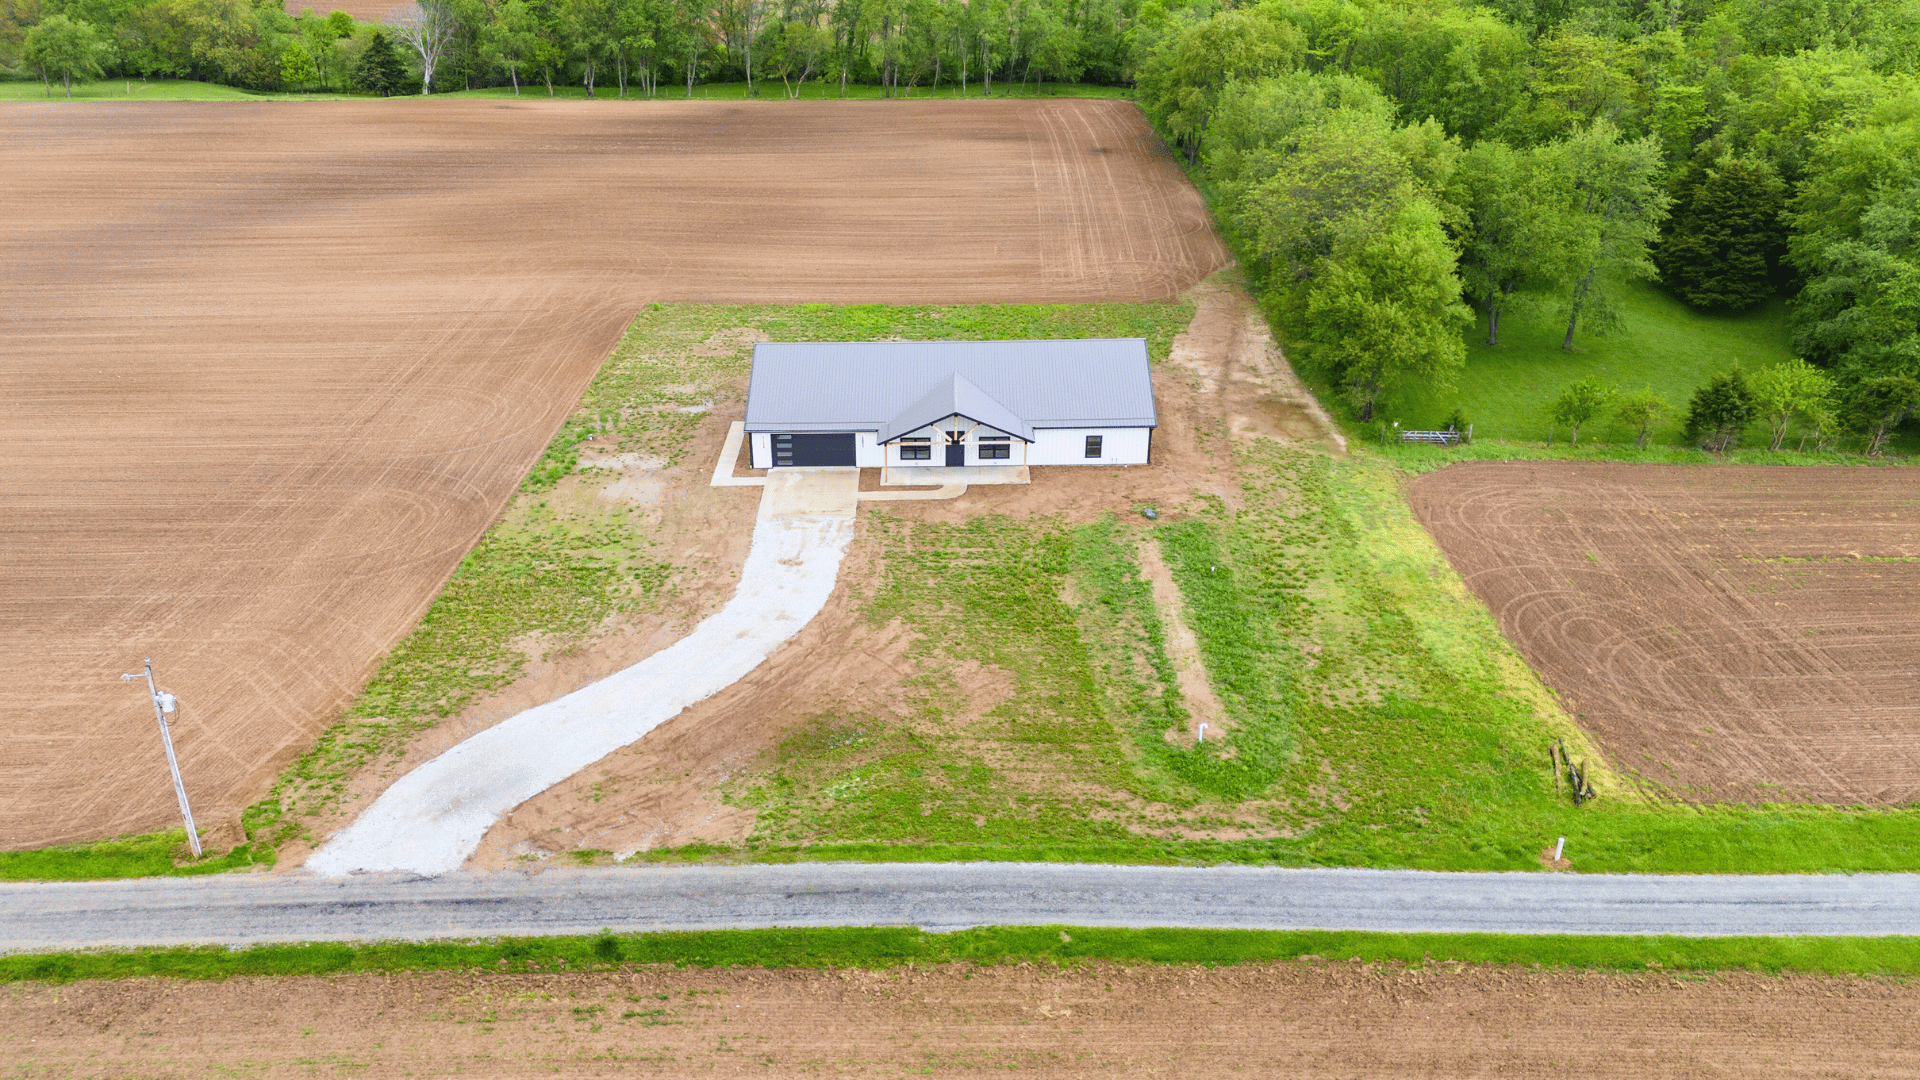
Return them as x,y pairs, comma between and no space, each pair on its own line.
268,370
1732,633
1292,1019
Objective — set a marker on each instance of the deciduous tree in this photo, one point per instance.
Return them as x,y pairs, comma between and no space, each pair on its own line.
1621,208
65,49
1521,239
1181,79
1386,309
1786,392
428,27
1580,402
297,67
1640,410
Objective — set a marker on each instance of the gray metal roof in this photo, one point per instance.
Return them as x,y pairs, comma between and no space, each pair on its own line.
955,396
863,386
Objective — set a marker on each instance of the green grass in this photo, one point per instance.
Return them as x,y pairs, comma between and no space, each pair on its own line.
889,947
1379,717
813,90
1662,343
146,90
161,854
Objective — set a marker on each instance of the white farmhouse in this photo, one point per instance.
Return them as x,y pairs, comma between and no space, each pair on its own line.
921,404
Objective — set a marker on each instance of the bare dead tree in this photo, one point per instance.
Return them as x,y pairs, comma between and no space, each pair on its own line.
428,26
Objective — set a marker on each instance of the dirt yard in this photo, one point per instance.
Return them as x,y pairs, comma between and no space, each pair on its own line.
1730,633
271,369
1297,1018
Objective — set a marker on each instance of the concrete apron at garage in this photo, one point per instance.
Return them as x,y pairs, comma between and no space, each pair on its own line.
431,819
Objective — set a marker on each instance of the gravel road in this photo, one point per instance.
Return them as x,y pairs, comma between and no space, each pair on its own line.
300,907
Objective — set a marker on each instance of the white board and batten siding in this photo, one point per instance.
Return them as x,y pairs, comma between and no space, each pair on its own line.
1068,446
1050,446
863,403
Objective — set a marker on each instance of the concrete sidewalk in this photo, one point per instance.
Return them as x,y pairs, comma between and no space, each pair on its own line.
435,816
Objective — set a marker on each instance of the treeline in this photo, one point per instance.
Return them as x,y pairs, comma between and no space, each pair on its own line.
1397,173
627,46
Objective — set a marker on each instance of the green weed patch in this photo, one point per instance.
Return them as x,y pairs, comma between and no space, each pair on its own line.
161,854
889,947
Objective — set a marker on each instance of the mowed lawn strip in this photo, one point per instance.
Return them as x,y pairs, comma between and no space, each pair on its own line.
812,90
886,947
1662,344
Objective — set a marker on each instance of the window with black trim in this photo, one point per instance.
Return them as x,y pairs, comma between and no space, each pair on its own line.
916,449
1093,446
996,447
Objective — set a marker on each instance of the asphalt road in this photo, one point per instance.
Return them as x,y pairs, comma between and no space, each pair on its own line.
243,910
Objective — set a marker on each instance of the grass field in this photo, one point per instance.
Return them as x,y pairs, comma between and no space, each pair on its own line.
1663,344
143,90
887,947
1380,719
813,90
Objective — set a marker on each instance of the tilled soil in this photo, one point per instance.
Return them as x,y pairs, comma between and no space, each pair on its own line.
1730,633
270,369
1286,1019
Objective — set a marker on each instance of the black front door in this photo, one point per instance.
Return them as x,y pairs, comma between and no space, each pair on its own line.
810,449
956,454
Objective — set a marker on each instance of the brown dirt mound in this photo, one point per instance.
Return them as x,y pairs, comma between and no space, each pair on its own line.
1288,1019
270,369
1730,633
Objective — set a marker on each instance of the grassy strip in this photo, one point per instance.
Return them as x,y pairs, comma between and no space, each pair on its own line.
161,854
814,90
188,90
1418,458
885,947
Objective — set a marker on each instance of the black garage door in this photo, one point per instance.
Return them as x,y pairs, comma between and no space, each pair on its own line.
812,449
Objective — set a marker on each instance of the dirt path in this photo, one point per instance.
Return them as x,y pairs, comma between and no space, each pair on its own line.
1728,632
270,369
1288,1019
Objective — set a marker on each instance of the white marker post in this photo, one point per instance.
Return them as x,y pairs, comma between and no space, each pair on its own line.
1559,848
1202,736
162,705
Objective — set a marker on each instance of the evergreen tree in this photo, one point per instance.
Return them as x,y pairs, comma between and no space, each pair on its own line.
1720,411
379,70
1878,406
1725,240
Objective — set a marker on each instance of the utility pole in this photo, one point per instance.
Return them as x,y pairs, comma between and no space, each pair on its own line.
162,705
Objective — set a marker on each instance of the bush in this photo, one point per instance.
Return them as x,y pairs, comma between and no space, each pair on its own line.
1720,411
